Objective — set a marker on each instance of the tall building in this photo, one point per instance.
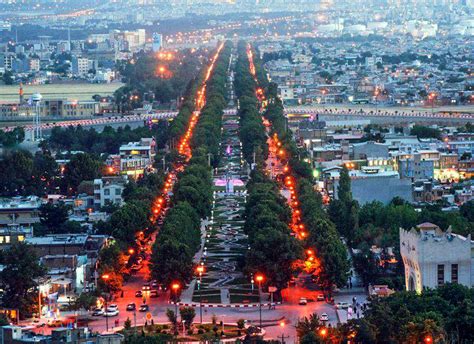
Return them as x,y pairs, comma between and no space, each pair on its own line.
157,42
80,66
432,257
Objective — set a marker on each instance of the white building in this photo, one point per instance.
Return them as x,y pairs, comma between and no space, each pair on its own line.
108,190
80,66
137,157
432,257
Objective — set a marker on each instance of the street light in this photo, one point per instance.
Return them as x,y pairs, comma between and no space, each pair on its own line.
200,270
259,278
282,325
175,287
105,278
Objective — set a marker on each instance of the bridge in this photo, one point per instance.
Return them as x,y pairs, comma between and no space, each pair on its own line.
382,115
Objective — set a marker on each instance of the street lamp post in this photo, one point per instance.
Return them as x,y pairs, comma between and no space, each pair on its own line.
283,337
175,287
105,278
200,270
259,279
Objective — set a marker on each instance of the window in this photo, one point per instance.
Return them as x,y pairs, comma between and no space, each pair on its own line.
21,238
1,240
118,192
440,275
107,192
454,273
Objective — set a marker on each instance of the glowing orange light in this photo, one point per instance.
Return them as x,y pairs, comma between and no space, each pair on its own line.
131,251
175,286
282,324
105,277
259,278
323,332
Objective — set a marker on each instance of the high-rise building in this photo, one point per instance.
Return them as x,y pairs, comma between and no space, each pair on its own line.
157,42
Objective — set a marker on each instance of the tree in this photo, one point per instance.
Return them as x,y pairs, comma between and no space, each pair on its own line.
311,338
467,210
172,317
8,78
187,314
81,167
54,216
307,325
85,301
127,325
20,279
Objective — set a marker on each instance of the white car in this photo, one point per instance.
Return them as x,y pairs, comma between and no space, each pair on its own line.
303,301
97,312
112,306
324,317
342,305
111,312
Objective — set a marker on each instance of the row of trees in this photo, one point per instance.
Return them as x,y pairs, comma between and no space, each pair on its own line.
107,141
252,130
24,174
179,237
12,138
322,235
273,250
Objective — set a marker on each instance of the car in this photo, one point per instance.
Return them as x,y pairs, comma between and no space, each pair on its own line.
131,307
324,317
303,301
154,293
320,297
55,323
97,312
342,305
143,308
155,285
138,293
112,306
111,312
146,287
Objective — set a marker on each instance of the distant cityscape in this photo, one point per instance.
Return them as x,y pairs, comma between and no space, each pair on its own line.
236,171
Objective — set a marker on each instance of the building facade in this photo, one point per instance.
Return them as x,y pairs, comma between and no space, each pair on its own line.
433,258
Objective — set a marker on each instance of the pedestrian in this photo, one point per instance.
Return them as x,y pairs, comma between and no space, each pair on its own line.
152,322
350,285
121,295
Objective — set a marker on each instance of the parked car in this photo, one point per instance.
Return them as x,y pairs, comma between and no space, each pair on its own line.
97,312
112,306
143,308
320,297
303,301
131,307
111,312
138,293
55,323
154,293
342,305
324,317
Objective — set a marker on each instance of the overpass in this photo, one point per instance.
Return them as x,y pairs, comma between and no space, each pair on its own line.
382,116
